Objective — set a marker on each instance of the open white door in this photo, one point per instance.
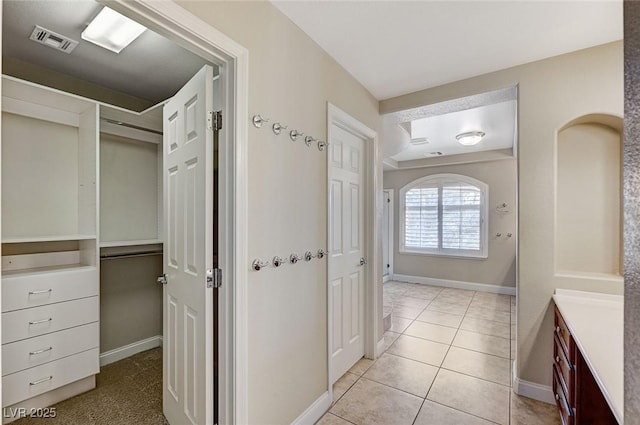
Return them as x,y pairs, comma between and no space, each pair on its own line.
346,248
187,367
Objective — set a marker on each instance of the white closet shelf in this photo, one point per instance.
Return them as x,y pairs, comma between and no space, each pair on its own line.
56,238
49,269
112,244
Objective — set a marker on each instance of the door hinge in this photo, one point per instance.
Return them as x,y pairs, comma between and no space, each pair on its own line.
214,120
214,278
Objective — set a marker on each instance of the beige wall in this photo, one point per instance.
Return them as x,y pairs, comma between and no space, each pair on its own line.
130,300
499,268
290,80
552,93
588,208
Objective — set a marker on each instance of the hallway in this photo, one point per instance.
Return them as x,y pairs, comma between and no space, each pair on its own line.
448,361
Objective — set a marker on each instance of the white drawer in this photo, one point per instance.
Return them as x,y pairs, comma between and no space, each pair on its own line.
35,351
21,324
36,289
40,379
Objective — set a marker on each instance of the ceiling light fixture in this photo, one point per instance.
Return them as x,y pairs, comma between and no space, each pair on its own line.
470,138
112,31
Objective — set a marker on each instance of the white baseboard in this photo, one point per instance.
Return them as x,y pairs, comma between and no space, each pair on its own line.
315,411
386,278
532,390
129,350
481,287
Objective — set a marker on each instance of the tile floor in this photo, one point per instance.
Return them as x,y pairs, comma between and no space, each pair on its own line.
448,360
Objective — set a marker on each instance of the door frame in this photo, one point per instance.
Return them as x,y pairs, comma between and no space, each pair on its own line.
179,25
372,241
391,235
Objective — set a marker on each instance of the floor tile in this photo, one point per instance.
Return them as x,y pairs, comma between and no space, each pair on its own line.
458,292
424,292
343,384
370,403
497,304
493,315
486,327
481,365
331,419
419,349
483,343
404,374
440,318
436,414
447,307
389,338
481,398
399,324
361,366
431,332
406,311
411,302
526,411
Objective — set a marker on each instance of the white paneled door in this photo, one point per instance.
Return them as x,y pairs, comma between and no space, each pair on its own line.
346,250
188,254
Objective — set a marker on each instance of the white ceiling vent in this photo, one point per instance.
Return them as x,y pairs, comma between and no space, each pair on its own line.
52,39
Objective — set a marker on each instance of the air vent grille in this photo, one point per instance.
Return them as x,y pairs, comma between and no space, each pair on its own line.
53,40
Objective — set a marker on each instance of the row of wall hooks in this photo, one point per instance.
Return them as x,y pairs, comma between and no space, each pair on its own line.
277,261
294,134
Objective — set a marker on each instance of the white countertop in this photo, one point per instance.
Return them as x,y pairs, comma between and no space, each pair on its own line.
596,323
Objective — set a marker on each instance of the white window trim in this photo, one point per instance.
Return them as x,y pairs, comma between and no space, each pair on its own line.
484,218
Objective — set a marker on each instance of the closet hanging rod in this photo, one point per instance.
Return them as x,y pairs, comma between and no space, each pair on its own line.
130,255
135,127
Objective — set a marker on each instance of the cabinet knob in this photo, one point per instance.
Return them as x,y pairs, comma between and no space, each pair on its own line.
558,329
557,397
558,359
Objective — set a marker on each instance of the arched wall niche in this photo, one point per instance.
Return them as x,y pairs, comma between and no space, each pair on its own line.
589,196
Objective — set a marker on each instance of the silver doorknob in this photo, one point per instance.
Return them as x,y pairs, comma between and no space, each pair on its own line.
363,261
162,279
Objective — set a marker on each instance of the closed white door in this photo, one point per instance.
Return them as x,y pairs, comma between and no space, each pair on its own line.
386,227
187,367
346,239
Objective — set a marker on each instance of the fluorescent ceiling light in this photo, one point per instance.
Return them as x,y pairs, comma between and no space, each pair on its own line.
111,30
470,138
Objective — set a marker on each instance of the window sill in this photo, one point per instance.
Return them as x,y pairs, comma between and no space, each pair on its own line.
452,256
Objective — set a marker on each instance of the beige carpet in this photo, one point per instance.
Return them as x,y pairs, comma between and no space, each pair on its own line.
128,392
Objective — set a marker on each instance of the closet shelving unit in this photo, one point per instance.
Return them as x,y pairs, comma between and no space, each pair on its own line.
51,230
50,266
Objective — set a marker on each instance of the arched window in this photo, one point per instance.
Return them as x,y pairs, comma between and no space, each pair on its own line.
444,214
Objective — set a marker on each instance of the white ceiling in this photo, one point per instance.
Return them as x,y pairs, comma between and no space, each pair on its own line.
398,47
497,121
151,68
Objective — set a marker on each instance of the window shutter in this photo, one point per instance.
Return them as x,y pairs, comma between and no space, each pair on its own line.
421,217
461,205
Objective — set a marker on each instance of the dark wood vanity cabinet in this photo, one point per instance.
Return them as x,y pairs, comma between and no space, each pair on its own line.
578,396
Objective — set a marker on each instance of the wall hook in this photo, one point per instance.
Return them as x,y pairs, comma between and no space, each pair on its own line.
294,258
322,145
308,140
277,128
294,134
277,261
258,265
258,120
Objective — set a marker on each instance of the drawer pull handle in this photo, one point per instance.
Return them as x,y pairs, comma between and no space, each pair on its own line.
44,291
41,381
35,322
44,350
